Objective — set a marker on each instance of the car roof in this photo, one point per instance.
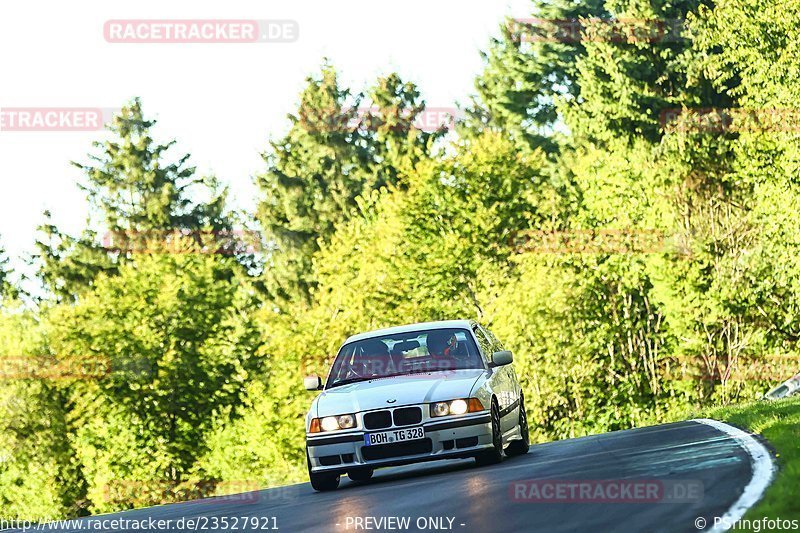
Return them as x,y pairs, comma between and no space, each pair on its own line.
442,324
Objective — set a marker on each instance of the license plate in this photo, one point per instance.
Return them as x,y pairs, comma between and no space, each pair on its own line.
396,435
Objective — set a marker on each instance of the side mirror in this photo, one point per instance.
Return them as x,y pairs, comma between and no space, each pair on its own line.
312,383
503,357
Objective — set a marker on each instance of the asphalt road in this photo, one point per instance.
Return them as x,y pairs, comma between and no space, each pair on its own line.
682,472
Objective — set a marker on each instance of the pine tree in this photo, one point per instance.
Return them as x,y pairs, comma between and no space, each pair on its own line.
134,188
68,265
7,288
398,140
313,174
338,148
527,67
136,194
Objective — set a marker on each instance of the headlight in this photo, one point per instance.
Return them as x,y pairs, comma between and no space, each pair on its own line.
329,423
346,421
456,407
440,409
332,423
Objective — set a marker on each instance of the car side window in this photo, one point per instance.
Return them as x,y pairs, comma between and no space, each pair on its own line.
483,341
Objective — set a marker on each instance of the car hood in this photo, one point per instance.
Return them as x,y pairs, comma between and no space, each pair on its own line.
405,390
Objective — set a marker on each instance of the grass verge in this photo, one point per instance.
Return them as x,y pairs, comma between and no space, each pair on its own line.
779,423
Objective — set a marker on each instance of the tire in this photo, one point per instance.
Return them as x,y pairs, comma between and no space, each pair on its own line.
520,447
494,455
322,482
361,474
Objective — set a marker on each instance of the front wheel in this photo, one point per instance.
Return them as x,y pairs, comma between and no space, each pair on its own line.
520,447
495,454
361,474
322,482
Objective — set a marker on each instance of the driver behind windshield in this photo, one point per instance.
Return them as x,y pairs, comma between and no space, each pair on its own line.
406,353
372,359
447,352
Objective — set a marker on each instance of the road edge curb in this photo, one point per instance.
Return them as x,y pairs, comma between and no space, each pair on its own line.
763,466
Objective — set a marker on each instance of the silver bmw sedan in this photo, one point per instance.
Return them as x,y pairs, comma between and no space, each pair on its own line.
421,392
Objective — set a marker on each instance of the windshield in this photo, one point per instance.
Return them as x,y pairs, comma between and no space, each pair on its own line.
405,353
780,392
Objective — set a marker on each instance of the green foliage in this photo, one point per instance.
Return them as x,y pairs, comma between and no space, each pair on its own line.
414,254
313,175
371,222
178,333
134,193
592,343
262,445
526,73
338,148
133,187
69,265
39,478
7,287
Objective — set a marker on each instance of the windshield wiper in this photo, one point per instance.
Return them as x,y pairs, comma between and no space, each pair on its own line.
348,381
406,373
412,371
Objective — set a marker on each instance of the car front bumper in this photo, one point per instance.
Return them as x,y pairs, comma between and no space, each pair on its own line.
451,437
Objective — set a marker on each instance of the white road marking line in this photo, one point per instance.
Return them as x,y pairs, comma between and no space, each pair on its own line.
763,472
